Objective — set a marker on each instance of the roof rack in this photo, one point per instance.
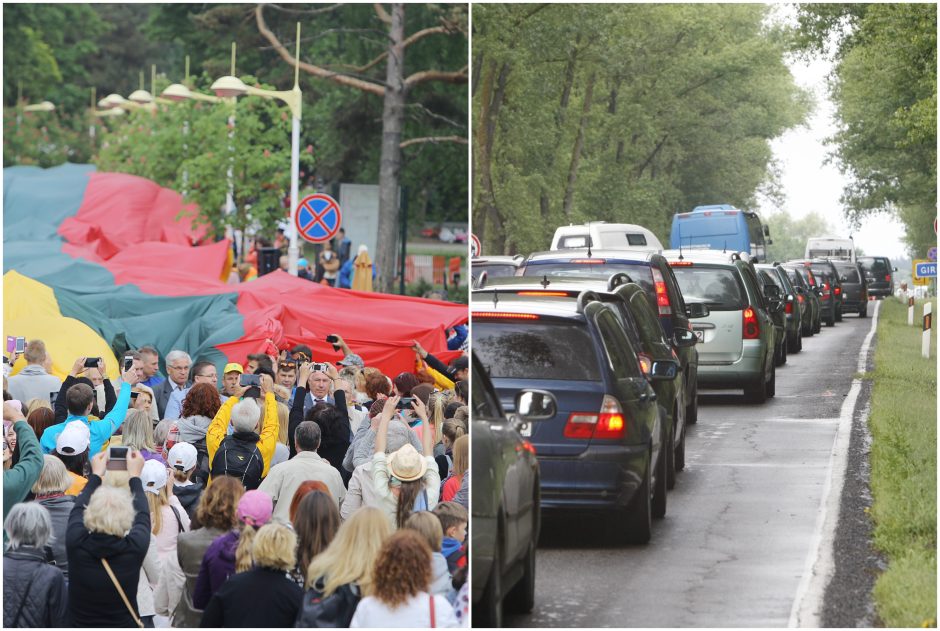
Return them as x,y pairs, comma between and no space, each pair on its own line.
586,297
617,279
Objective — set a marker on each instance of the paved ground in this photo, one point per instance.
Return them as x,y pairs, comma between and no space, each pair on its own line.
740,525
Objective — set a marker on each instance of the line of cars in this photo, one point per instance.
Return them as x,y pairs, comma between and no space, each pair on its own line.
590,361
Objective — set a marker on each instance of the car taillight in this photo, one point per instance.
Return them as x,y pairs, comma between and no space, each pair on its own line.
751,326
557,294
789,307
646,363
525,446
888,278
662,295
800,298
502,315
608,424
838,290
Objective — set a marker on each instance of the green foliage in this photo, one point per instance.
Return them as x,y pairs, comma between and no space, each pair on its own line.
904,470
626,113
885,90
44,138
790,235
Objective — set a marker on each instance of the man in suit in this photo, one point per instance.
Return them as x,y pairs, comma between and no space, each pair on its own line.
177,367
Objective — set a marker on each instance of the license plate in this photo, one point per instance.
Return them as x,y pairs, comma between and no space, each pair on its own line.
700,335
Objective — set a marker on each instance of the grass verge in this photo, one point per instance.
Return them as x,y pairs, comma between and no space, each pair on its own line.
903,425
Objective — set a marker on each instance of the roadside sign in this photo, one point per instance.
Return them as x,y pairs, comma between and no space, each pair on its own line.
925,269
932,254
475,247
318,218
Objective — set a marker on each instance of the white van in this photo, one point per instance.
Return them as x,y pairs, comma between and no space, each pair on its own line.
830,248
607,236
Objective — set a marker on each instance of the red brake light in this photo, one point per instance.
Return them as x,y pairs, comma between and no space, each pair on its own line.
838,290
800,298
588,261
751,326
888,278
662,296
562,294
789,307
609,424
526,446
646,363
680,263
502,315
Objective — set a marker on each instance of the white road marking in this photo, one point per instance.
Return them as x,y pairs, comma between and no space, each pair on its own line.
820,565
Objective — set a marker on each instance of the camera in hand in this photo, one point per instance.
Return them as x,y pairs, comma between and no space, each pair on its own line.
92,362
405,403
128,362
319,367
134,396
117,458
249,380
332,339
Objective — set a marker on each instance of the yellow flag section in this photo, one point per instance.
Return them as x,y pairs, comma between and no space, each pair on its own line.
31,310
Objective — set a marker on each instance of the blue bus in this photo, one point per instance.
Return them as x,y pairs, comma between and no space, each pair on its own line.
721,227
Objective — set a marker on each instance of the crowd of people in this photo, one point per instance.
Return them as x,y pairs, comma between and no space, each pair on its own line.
282,492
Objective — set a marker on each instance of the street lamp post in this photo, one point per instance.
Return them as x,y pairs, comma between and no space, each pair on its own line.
232,86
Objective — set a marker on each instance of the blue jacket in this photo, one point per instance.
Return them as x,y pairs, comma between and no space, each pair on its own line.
101,431
346,274
457,339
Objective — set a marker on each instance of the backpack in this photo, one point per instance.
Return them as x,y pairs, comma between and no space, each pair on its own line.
201,474
333,611
239,459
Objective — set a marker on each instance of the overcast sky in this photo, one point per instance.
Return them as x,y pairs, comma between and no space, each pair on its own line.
812,185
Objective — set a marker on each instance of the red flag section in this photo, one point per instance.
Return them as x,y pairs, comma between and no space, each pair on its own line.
129,225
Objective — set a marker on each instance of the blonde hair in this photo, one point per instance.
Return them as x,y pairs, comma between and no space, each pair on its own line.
461,455
110,511
283,420
274,547
436,414
245,545
351,555
54,477
428,526
34,404
157,501
138,431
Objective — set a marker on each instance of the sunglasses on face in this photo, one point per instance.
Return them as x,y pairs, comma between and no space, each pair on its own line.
287,365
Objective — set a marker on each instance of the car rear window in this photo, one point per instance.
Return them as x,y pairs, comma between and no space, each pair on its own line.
536,350
850,272
495,270
575,241
717,287
875,265
639,272
824,273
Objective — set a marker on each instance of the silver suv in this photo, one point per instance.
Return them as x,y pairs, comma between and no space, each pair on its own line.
737,339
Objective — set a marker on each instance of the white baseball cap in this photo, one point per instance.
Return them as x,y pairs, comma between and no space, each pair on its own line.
153,476
73,439
182,456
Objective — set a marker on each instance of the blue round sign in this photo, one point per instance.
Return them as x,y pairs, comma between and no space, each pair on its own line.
318,218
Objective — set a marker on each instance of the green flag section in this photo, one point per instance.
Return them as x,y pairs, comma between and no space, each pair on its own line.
121,256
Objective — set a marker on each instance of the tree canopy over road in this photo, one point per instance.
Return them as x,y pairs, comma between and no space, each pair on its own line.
625,112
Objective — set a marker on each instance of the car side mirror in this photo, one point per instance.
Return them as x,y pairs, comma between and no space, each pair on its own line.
776,306
843,279
798,289
696,310
772,292
665,369
535,405
684,338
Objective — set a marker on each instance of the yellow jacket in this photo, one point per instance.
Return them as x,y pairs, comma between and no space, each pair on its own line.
440,380
219,428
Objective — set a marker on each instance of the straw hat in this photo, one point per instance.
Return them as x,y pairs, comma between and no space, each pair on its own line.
407,464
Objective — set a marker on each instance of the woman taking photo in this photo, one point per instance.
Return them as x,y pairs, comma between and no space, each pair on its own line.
107,539
345,569
405,481
400,595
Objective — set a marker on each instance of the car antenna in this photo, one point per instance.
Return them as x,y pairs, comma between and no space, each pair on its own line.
680,249
545,282
726,247
495,297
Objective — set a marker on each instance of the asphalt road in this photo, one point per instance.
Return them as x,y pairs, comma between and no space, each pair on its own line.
740,524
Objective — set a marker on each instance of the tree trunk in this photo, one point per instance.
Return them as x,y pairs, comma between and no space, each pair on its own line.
486,213
576,151
390,162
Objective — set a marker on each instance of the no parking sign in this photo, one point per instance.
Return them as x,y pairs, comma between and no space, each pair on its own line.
318,218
